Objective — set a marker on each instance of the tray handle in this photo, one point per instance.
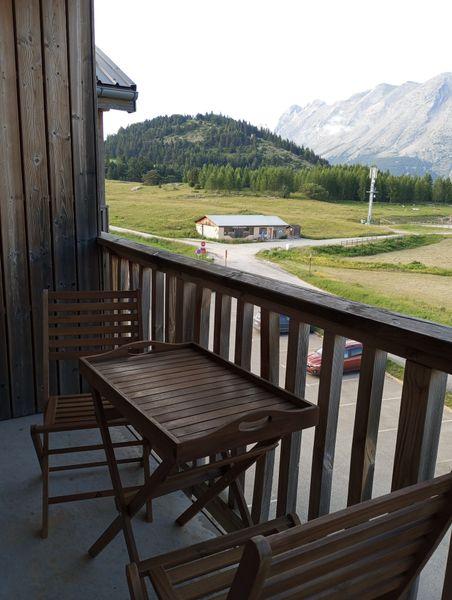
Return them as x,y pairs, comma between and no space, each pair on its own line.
137,348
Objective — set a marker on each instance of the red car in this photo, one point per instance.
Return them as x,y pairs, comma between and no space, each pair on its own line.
352,358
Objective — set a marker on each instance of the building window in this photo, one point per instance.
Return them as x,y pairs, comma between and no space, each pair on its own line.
237,232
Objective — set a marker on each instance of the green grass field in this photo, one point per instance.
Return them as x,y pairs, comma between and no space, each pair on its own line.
171,211
170,246
404,254
406,286
398,372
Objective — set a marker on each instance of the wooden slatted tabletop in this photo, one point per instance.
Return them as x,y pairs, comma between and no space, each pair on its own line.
188,403
180,396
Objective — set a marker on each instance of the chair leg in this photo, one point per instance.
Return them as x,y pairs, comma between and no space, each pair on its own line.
137,587
45,486
147,475
36,438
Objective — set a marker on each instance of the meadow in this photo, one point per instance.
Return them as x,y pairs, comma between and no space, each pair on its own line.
370,274
172,209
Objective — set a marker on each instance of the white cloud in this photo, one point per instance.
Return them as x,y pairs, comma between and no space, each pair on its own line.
251,59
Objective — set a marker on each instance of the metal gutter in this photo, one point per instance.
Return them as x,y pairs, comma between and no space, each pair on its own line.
116,93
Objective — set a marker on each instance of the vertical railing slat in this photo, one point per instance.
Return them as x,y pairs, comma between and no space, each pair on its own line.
242,357
269,351
421,411
135,275
205,317
297,355
243,334
157,305
114,268
325,434
201,325
197,316
202,315
367,420
222,324
189,303
123,282
106,278
289,461
145,286
419,427
174,298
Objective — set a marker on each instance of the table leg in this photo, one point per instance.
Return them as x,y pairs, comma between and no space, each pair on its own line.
133,506
217,486
124,516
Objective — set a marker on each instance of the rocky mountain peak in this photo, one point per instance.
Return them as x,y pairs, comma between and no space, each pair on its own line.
405,128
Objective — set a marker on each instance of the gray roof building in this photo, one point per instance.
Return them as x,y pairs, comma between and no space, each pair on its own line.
246,220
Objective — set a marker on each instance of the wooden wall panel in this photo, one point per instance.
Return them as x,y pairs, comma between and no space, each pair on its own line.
58,105
5,396
34,160
13,226
48,182
84,117
59,141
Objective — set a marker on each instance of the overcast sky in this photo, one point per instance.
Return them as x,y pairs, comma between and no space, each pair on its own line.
252,59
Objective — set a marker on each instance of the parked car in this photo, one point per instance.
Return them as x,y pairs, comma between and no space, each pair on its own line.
284,321
352,358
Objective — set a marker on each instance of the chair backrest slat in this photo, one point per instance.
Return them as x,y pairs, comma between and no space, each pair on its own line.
78,324
364,551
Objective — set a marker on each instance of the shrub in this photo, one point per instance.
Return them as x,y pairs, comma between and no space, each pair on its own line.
152,177
315,191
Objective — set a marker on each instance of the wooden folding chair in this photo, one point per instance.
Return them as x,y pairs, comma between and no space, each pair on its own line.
371,550
78,324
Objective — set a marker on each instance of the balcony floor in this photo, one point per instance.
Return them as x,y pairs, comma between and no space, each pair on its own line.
59,567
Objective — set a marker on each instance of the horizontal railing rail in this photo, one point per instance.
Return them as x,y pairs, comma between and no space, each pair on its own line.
421,341
186,299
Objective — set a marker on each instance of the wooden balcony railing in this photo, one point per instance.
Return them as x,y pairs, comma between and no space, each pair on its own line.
186,299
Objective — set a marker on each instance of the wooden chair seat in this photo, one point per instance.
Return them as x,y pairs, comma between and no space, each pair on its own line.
204,568
371,550
77,412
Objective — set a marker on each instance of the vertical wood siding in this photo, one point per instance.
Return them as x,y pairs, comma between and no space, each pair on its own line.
48,182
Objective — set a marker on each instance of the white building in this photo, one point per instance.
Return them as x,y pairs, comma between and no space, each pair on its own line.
247,227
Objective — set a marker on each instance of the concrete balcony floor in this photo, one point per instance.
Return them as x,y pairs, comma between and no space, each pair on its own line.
59,567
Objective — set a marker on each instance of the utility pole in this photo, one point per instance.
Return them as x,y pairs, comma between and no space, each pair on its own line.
373,176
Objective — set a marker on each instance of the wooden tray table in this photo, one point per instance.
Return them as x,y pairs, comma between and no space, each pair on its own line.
188,403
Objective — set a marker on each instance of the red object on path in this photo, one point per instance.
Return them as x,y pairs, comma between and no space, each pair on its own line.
203,244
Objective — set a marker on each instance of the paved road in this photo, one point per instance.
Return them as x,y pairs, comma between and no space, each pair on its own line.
243,256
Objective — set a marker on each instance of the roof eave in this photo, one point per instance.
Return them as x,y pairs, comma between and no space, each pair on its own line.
116,97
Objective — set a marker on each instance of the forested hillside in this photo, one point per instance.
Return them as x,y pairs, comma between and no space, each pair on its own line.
170,145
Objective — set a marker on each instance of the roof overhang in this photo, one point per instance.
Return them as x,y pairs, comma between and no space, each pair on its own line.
115,90
244,220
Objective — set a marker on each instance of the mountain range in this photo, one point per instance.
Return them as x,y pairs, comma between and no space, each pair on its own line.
406,129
